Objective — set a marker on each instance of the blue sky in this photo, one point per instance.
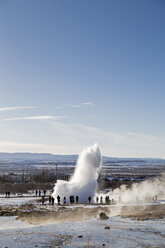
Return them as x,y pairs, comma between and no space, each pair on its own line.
77,72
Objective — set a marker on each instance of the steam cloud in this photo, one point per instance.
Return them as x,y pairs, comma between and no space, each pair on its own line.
141,192
84,181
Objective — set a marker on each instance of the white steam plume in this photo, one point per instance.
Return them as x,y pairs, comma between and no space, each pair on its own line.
84,181
141,192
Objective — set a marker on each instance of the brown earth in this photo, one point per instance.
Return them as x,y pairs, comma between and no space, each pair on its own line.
144,212
42,215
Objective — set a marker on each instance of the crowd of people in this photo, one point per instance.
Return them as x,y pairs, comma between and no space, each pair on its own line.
72,199
7,193
75,200
38,192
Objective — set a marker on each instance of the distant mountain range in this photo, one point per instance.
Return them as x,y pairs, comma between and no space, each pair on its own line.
48,157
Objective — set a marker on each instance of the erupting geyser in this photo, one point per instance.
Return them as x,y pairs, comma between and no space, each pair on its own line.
84,180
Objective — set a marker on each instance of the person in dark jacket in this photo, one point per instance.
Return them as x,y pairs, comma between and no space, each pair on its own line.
77,198
89,199
71,199
52,200
43,199
58,200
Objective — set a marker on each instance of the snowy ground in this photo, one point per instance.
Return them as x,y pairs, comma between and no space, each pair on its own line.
16,201
122,233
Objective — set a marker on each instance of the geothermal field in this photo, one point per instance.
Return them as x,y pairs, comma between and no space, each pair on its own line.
94,202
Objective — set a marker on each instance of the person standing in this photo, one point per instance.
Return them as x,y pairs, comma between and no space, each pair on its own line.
52,200
43,199
77,198
58,200
71,199
64,200
89,199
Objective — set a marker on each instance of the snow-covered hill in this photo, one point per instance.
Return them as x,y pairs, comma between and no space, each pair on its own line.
48,157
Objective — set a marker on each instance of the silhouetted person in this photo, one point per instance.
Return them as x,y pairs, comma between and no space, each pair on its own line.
71,199
89,199
97,199
6,193
43,199
107,199
101,199
52,200
77,198
64,200
44,192
39,192
58,199
36,192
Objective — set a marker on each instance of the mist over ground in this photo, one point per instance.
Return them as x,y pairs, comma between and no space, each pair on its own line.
145,191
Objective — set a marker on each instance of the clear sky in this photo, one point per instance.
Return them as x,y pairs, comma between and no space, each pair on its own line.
77,72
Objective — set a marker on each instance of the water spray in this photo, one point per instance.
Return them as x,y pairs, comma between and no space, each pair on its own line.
83,183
